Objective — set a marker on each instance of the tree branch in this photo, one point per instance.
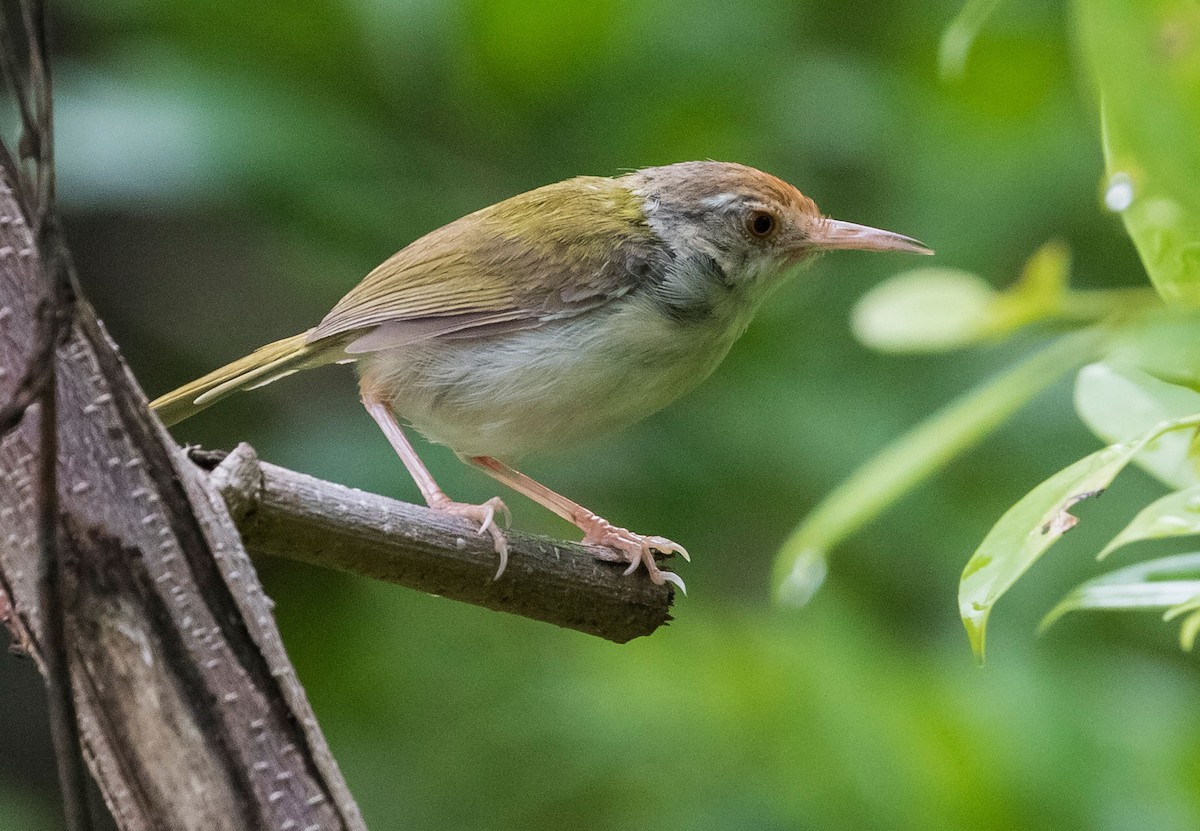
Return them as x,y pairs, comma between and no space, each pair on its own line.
282,513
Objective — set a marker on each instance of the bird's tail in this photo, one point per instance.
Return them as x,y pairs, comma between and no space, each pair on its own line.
264,365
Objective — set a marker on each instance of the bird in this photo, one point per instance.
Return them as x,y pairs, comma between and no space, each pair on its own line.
555,316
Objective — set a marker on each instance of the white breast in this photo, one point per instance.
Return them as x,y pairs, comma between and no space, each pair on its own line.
554,385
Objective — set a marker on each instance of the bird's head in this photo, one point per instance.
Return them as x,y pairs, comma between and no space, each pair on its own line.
751,224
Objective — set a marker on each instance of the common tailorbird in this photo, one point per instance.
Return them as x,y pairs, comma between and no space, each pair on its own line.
554,316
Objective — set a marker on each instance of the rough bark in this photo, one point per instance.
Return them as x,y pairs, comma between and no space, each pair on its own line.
287,514
190,713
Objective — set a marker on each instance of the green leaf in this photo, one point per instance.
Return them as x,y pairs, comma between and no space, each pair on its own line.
1043,281
1188,630
915,456
1174,515
1191,624
938,309
1025,532
1145,58
927,309
1035,523
1117,402
1165,345
1157,584
960,34
1170,583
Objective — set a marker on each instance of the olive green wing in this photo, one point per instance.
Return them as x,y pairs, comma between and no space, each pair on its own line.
554,251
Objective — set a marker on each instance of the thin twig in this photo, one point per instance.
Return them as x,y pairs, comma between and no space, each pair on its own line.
10,73
64,726
10,63
41,84
35,102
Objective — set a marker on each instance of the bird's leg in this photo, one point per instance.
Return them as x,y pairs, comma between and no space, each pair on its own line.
484,514
629,547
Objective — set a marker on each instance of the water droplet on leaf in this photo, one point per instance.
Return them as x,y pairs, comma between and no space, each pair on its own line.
805,578
1119,194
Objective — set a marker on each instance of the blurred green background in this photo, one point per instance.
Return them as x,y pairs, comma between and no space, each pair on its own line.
230,169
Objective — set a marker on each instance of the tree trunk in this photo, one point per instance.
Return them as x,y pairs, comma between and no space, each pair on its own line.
190,713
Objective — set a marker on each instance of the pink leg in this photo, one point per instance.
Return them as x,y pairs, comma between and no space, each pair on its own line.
634,549
484,514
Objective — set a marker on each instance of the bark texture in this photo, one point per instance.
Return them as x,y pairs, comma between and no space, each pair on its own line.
190,713
283,513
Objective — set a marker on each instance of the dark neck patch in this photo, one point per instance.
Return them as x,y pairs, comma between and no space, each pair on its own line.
692,299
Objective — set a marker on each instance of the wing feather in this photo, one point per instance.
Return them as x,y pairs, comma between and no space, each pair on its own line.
554,251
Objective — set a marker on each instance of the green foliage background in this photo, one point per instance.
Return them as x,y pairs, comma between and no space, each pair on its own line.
232,168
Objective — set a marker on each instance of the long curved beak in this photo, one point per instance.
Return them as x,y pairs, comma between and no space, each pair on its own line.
835,235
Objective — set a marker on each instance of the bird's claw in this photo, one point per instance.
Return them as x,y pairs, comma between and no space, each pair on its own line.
485,515
635,549
674,579
489,519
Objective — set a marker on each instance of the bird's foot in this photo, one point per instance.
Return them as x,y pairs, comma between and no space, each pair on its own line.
635,549
484,514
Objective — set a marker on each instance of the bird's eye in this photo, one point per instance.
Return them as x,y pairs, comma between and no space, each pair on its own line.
760,224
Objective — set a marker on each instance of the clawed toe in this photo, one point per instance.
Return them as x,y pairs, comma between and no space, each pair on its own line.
670,577
490,509
635,549
667,547
485,515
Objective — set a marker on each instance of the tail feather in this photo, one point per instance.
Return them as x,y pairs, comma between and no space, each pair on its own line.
264,365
